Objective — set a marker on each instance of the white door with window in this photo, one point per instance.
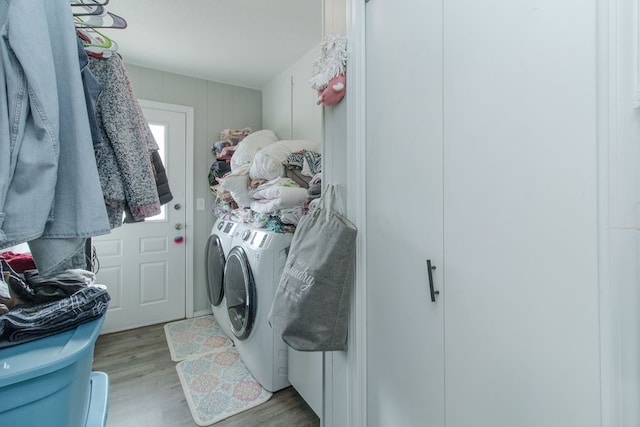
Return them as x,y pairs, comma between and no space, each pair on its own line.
144,265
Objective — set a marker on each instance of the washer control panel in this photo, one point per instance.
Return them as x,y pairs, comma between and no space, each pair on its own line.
228,227
255,238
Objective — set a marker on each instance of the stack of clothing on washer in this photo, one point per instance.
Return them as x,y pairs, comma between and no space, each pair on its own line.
223,149
271,181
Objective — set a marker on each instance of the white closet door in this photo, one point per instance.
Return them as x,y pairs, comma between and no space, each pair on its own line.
520,235
404,212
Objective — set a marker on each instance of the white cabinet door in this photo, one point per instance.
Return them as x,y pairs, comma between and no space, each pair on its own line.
520,223
482,157
404,212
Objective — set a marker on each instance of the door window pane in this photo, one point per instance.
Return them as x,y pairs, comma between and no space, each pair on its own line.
159,133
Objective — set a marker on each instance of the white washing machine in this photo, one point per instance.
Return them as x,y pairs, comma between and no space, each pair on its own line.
220,242
251,277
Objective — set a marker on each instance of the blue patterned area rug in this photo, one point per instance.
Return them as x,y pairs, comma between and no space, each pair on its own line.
194,337
218,385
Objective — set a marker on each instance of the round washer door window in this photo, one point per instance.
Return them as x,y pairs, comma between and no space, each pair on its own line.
214,256
240,291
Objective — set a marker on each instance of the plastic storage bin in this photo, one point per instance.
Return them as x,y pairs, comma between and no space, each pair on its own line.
48,382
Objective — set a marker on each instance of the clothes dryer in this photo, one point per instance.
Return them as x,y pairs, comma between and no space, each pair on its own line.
220,241
251,277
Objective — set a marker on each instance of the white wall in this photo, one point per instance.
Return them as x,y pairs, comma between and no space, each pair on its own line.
216,107
288,102
311,121
289,108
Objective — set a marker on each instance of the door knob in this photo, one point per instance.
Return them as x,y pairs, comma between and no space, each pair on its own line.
178,226
177,206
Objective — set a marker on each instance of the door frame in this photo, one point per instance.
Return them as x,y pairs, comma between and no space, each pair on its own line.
356,208
618,328
188,197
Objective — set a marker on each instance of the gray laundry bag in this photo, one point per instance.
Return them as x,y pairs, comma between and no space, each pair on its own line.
310,310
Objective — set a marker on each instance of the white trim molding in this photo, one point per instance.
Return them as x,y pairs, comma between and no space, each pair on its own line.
618,67
606,131
356,208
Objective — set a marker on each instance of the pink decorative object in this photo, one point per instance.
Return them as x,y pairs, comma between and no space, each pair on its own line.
334,92
329,70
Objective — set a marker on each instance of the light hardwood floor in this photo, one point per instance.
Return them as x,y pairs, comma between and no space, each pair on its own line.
145,389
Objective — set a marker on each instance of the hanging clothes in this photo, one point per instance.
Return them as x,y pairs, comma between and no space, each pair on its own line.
124,160
162,181
91,93
50,193
162,185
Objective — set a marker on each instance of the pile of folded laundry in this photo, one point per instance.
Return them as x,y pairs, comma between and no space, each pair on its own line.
268,182
33,306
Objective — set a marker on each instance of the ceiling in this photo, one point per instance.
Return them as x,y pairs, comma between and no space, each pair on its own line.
240,42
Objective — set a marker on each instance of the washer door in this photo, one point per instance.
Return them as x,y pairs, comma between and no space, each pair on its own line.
240,291
215,261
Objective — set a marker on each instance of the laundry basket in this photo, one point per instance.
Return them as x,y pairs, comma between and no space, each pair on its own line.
48,382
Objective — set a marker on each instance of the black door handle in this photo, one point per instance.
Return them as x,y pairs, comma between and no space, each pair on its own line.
434,293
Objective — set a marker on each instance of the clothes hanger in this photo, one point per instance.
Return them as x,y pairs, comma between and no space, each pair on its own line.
95,43
105,20
89,2
88,10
